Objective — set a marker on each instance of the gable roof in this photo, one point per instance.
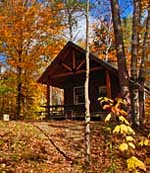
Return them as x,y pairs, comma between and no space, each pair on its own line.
65,55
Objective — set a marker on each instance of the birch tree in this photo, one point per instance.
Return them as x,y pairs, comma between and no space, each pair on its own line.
72,11
134,54
87,101
142,72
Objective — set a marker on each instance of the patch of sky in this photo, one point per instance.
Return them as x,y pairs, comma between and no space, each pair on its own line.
2,58
126,8
102,8
2,63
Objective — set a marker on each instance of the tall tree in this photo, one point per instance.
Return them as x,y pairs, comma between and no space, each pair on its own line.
143,68
29,31
137,78
121,58
72,11
87,101
103,40
134,55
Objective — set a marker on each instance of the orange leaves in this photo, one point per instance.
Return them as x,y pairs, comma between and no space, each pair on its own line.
116,106
28,31
106,107
115,110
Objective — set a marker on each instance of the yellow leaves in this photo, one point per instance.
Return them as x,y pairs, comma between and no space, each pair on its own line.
144,142
121,101
130,130
114,105
105,99
123,120
123,129
130,139
108,117
105,102
131,145
128,144
134,163
123,147
117,129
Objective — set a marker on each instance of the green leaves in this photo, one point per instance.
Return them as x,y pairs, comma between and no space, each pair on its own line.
4,90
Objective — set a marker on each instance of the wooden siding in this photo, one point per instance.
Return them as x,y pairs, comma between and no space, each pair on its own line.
68,71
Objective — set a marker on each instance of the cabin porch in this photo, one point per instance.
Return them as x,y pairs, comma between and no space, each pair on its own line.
58,112
67,72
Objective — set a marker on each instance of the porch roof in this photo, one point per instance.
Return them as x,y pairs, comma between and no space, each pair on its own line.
71,62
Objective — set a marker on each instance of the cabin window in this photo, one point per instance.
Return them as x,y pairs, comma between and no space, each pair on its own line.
78,95
102,91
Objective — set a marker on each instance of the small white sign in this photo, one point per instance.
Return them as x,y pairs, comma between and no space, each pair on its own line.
5,117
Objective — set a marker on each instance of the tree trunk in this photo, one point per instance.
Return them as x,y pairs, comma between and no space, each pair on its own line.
142,71
87,101
70,28
19,87
69,18
134,69
121,59
19,94
48,101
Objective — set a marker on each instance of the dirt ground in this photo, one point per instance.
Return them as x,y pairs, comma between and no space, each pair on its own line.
57,147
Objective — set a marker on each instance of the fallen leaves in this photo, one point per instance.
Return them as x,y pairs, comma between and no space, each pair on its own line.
25,149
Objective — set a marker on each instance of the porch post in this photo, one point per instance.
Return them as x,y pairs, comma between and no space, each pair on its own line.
108,84
48,102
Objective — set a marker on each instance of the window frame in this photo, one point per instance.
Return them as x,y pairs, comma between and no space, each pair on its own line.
74,95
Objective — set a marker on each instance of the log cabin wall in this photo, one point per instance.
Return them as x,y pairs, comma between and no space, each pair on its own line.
74,81
115,88
97,80
68,71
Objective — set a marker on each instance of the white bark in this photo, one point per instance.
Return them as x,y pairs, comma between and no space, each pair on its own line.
87,102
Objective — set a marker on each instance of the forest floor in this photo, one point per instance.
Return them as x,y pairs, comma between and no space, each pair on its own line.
58,147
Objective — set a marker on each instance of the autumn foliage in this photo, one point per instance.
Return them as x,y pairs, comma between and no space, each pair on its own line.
126,139
29,38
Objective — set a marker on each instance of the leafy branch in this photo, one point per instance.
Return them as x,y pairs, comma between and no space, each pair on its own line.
118,108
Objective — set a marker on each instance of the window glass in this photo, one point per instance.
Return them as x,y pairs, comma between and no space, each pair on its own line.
79,95
102,91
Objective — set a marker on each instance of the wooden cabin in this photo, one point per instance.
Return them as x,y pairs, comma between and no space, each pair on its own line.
67,72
